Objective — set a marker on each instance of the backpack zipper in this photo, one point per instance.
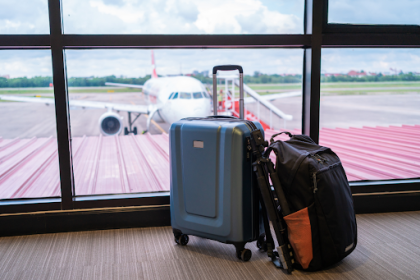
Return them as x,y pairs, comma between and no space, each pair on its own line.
322,171
319,158
315,184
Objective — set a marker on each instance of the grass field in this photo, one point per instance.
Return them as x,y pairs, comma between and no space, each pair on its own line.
326,89
345,88
71,90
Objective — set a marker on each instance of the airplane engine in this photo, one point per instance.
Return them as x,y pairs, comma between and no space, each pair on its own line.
110,124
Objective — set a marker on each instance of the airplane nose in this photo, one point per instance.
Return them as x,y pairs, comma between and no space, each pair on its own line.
198,109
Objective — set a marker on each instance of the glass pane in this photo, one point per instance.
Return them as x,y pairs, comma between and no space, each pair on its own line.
28,142
185,95
374,12
124,160
183,17
197,95
24,17
370,100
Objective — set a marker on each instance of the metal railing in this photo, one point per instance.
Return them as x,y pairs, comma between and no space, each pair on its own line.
253,97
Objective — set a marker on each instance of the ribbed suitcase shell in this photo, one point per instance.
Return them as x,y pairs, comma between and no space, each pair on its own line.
212,192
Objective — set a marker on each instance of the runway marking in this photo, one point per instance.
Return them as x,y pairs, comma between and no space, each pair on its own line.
155,123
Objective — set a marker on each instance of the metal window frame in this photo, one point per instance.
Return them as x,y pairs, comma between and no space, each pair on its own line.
318,34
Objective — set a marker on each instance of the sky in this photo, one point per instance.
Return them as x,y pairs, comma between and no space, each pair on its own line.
199,17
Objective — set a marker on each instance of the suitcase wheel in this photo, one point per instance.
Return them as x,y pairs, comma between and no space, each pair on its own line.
261,243
182,239
244,255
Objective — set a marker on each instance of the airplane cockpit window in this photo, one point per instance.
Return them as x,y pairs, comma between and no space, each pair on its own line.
197,95
170,96
175,96
185,95
206,95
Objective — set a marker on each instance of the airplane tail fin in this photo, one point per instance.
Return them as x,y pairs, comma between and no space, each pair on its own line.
154,74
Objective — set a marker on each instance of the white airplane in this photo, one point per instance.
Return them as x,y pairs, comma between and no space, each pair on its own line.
168,98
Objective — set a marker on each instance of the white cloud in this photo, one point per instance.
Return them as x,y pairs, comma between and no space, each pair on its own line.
177,17
25,17
135,63
370,60
374,12
29,63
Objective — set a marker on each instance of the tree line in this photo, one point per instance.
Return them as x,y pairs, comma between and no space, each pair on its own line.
402,77
257,78
40,81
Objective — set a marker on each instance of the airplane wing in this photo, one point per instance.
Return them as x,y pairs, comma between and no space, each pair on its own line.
274,96
123,85
144,109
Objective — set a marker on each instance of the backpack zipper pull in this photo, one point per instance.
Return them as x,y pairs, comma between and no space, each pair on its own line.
315,184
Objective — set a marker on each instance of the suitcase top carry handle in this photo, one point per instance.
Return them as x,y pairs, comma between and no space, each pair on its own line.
227,68
241,87
222,117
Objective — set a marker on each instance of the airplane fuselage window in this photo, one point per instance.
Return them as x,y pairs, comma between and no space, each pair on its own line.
185,95
197,95
175,96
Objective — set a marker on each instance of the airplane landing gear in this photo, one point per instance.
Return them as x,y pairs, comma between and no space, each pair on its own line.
130,128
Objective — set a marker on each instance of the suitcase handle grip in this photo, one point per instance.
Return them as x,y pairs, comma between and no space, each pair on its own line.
227,68
241,87
222,117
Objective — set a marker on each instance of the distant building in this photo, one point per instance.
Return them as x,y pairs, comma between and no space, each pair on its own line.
353,73
202,73
332,74
5,76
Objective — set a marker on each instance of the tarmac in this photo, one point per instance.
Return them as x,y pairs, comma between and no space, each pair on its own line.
26,120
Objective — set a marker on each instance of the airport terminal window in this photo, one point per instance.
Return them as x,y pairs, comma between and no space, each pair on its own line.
276,72
28,142
183,17
24,17
370,100
111,156
374,12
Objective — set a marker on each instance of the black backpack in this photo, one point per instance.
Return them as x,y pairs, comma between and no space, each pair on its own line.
322,228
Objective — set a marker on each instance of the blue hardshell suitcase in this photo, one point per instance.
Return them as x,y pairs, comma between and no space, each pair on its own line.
213,190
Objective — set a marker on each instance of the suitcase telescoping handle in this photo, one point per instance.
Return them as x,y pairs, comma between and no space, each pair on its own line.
241,86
